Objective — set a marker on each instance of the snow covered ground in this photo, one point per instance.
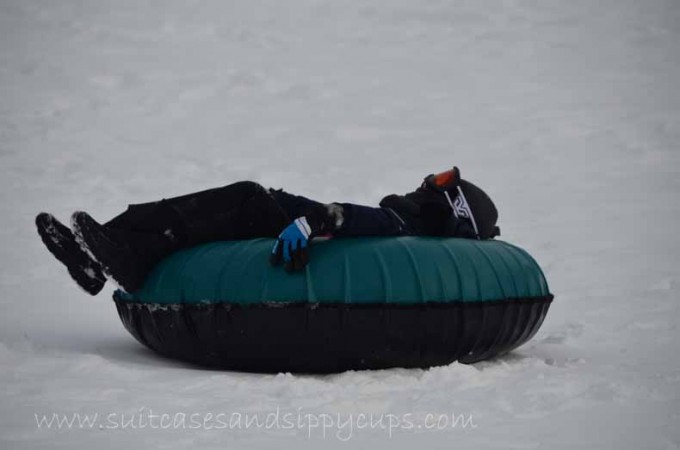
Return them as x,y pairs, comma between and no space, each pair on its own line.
566,112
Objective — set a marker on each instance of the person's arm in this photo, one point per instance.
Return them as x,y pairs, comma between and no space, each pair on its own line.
334,219
359,220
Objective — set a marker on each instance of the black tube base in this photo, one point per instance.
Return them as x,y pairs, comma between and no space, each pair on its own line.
328,338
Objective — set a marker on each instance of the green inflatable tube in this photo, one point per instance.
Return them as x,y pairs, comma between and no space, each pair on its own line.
360,303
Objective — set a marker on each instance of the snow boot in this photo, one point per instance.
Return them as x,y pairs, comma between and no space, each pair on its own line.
61,242
126,256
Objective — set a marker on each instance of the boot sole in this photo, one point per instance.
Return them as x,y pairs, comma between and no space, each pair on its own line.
62,244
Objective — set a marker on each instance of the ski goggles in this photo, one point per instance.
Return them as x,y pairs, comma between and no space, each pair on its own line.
442,181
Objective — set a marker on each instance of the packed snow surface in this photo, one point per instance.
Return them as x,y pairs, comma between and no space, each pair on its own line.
566,112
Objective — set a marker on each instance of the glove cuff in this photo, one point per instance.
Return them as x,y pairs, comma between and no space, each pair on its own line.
303,225
324,219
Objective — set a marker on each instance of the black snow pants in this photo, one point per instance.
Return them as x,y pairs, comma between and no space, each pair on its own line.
242,210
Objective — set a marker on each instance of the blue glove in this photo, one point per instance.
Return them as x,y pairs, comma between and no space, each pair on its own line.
292,245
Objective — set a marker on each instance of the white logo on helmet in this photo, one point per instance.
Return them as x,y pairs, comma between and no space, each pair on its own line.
461,208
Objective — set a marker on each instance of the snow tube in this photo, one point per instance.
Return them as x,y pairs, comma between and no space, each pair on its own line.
362,303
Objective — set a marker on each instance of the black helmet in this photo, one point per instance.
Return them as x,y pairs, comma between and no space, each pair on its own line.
467,200
484,212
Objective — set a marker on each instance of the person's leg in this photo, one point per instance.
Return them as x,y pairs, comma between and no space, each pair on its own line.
137,239
132,243
237,211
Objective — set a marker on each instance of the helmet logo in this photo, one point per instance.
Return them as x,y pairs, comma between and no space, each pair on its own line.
461,208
